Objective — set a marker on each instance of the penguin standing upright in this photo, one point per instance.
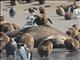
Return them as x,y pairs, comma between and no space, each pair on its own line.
24,52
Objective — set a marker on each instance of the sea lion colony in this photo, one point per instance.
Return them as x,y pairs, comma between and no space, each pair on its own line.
43,37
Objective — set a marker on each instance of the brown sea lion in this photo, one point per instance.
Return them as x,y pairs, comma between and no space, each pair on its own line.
71,44
4,39
42,18
45,48
5,27
60,11
7,44
28,40
39,33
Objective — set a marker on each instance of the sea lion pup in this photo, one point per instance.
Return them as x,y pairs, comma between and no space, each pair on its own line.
70,32
42,18
8,44
60,11
4,39
10,47
78,35
8,27
2,19
28,40
71,44
73,31
45,48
